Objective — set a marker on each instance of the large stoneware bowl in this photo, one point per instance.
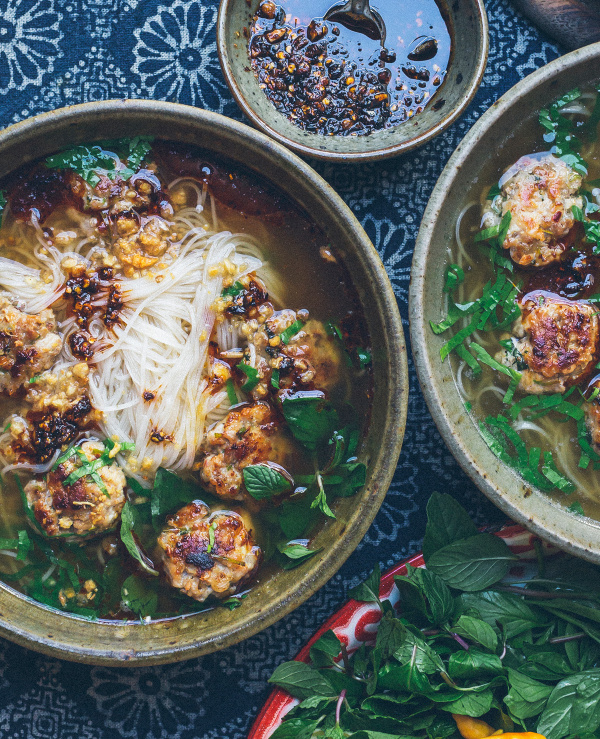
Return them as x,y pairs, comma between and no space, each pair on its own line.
493,140
58,634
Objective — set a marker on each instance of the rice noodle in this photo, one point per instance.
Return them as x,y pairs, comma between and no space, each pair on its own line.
161,346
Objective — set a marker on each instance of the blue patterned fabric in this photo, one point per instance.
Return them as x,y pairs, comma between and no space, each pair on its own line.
59,52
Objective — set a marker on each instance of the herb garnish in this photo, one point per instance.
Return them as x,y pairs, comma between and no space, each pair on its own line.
264,481
560,132
119,157
289,333
521,657
252,375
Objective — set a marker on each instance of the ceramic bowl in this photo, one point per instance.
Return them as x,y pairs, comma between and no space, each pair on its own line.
492,133
468,21
58,634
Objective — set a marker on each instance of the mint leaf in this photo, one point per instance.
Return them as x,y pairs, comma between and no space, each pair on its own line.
368,591
264,481
169,492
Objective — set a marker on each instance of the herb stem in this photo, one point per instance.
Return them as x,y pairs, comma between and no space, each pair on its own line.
338,707
541,594
563,639
460,640
345,659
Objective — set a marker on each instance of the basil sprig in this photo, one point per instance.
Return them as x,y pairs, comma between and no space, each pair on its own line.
522,658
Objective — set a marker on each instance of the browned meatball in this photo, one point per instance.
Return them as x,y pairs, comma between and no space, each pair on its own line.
557,340
539,196
83,508
316,355
28,345
207,554
248,435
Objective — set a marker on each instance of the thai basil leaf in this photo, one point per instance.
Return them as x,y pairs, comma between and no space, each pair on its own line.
526,697
472,564
301,681
476,630
447,522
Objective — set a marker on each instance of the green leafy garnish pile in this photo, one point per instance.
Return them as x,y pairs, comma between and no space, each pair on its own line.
521,656
117,157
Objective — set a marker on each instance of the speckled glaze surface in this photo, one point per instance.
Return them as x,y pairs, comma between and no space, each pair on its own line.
469,28
45,630
535,510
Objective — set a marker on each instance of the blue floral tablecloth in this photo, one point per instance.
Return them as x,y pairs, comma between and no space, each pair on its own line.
60,52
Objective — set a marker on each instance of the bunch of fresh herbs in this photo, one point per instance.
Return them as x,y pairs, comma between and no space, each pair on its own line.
523,656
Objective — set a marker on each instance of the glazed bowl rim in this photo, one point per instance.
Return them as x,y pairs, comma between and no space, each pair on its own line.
338,215
488,480
384,152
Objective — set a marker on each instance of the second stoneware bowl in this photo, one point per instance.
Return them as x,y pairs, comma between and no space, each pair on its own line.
102,642
494,142
467,21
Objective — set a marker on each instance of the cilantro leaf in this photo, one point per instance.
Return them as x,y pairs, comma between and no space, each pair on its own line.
139,596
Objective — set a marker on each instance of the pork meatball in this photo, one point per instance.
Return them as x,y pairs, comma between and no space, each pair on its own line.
556,340
316,356
309,359
60,409
29,345
87,506
248,435
539,196
207,554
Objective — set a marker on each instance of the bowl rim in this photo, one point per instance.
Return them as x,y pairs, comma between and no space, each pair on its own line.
451,432
390,435
356,156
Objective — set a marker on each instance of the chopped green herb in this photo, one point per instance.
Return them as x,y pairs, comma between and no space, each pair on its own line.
289,333
231,393
364,357
275,379
211,537
232,291
576,508
252,375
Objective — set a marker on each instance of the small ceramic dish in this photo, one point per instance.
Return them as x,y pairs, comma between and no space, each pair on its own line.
356,623
108,642
492,133
468,23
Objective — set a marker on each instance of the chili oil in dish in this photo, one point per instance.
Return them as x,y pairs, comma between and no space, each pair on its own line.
328,79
